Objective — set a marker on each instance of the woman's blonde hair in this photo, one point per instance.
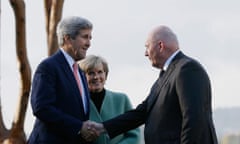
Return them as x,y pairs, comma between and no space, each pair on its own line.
92,61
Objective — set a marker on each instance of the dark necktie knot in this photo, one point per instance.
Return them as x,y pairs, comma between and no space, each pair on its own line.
161,73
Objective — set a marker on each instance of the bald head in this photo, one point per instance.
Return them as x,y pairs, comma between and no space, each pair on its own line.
160,45
166,35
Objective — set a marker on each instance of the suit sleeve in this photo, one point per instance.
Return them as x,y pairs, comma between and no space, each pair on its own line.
127,121
192,86
131,136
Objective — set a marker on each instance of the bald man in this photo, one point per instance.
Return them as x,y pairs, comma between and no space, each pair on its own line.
178,108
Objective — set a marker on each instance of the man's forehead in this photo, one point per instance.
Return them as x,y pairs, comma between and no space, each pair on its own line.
147,42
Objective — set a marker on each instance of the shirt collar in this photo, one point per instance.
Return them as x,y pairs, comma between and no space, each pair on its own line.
69,59
169,60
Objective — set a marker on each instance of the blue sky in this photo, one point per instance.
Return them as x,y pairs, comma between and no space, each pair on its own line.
208,30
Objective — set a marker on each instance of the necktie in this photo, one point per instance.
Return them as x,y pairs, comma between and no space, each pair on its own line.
75,72
161,73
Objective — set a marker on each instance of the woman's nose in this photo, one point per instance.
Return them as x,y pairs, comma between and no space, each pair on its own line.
95,75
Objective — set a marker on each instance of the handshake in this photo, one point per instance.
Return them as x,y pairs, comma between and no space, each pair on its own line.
91,130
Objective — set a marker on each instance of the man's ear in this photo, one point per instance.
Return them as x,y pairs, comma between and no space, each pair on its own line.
160,45
67,38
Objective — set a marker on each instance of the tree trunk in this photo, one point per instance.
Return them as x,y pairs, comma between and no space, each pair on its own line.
53,14
53,11
3,131
16,134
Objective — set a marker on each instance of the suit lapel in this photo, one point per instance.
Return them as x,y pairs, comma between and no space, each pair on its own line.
69,76
67,71
158,87
85,88
161,82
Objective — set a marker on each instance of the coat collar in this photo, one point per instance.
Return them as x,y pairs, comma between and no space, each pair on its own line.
161,82
68,73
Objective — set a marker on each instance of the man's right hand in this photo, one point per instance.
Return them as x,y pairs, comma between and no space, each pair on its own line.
91,130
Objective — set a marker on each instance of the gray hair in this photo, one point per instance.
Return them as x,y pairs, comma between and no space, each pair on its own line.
71,26
92,61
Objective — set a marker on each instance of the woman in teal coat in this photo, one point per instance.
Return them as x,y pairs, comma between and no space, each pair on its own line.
106,104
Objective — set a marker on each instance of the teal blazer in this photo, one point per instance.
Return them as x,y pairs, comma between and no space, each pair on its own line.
113,105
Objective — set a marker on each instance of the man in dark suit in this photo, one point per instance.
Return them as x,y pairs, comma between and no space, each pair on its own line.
178,109
60,103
